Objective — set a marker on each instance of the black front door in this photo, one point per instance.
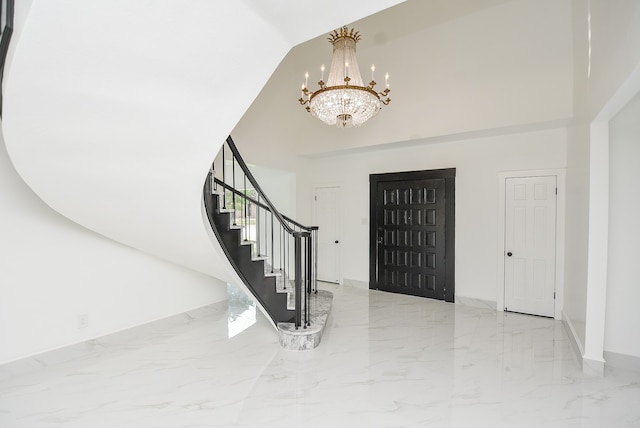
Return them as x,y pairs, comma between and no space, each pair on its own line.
412,233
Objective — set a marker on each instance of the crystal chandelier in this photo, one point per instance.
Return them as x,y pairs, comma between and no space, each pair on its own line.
344,100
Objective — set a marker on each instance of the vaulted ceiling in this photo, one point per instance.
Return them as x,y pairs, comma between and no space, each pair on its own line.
456,68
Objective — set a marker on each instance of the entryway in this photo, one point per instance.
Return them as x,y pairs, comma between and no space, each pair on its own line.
412,235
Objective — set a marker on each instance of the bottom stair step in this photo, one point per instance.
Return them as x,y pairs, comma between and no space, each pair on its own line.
304,339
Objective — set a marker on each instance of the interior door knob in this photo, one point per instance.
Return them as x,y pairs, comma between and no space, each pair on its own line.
509,254
337,242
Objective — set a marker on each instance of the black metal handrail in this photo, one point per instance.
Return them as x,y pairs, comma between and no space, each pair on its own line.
258,219
263,206
5,38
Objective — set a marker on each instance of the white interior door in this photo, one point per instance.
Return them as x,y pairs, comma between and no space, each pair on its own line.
327,201
530,245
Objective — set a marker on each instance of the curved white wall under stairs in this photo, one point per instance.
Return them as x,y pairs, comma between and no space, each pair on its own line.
114,110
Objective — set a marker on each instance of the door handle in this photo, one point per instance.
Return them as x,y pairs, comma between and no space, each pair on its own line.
337,242
509,254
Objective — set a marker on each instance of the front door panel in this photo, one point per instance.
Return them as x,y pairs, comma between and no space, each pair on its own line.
409,252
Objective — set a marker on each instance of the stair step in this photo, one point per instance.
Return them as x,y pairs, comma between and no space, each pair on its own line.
272,274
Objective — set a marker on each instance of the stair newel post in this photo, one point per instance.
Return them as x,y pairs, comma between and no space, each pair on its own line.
315,259
298,280
224,181
309,265
308,277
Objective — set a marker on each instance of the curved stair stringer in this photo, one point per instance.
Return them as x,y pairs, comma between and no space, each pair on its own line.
114,148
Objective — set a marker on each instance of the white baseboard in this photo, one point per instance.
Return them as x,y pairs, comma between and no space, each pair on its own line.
589,366
477,303
592,367
357,284
576,344
622,361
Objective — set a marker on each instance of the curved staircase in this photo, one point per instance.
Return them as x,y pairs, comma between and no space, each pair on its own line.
273,255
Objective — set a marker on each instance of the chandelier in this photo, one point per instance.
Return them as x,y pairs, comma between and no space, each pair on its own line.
344,100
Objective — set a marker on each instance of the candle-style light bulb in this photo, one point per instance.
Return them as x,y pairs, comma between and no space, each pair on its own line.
302,91
386,80
306,78
373,69
322,73
346,69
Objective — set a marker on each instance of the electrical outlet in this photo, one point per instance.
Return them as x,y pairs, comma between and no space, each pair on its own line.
83,321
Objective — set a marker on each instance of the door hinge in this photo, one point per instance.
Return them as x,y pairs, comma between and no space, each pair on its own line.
556,190
554,295
315,198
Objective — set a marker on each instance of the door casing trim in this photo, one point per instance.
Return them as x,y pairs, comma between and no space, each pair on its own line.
560,174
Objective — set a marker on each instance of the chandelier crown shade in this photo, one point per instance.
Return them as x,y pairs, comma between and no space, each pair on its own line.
344,100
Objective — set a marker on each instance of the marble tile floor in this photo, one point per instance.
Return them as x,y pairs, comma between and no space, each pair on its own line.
385,360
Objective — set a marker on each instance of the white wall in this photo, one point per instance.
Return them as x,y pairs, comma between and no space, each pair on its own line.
576,232
52,270
478,161
623,292
606,52
279,186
